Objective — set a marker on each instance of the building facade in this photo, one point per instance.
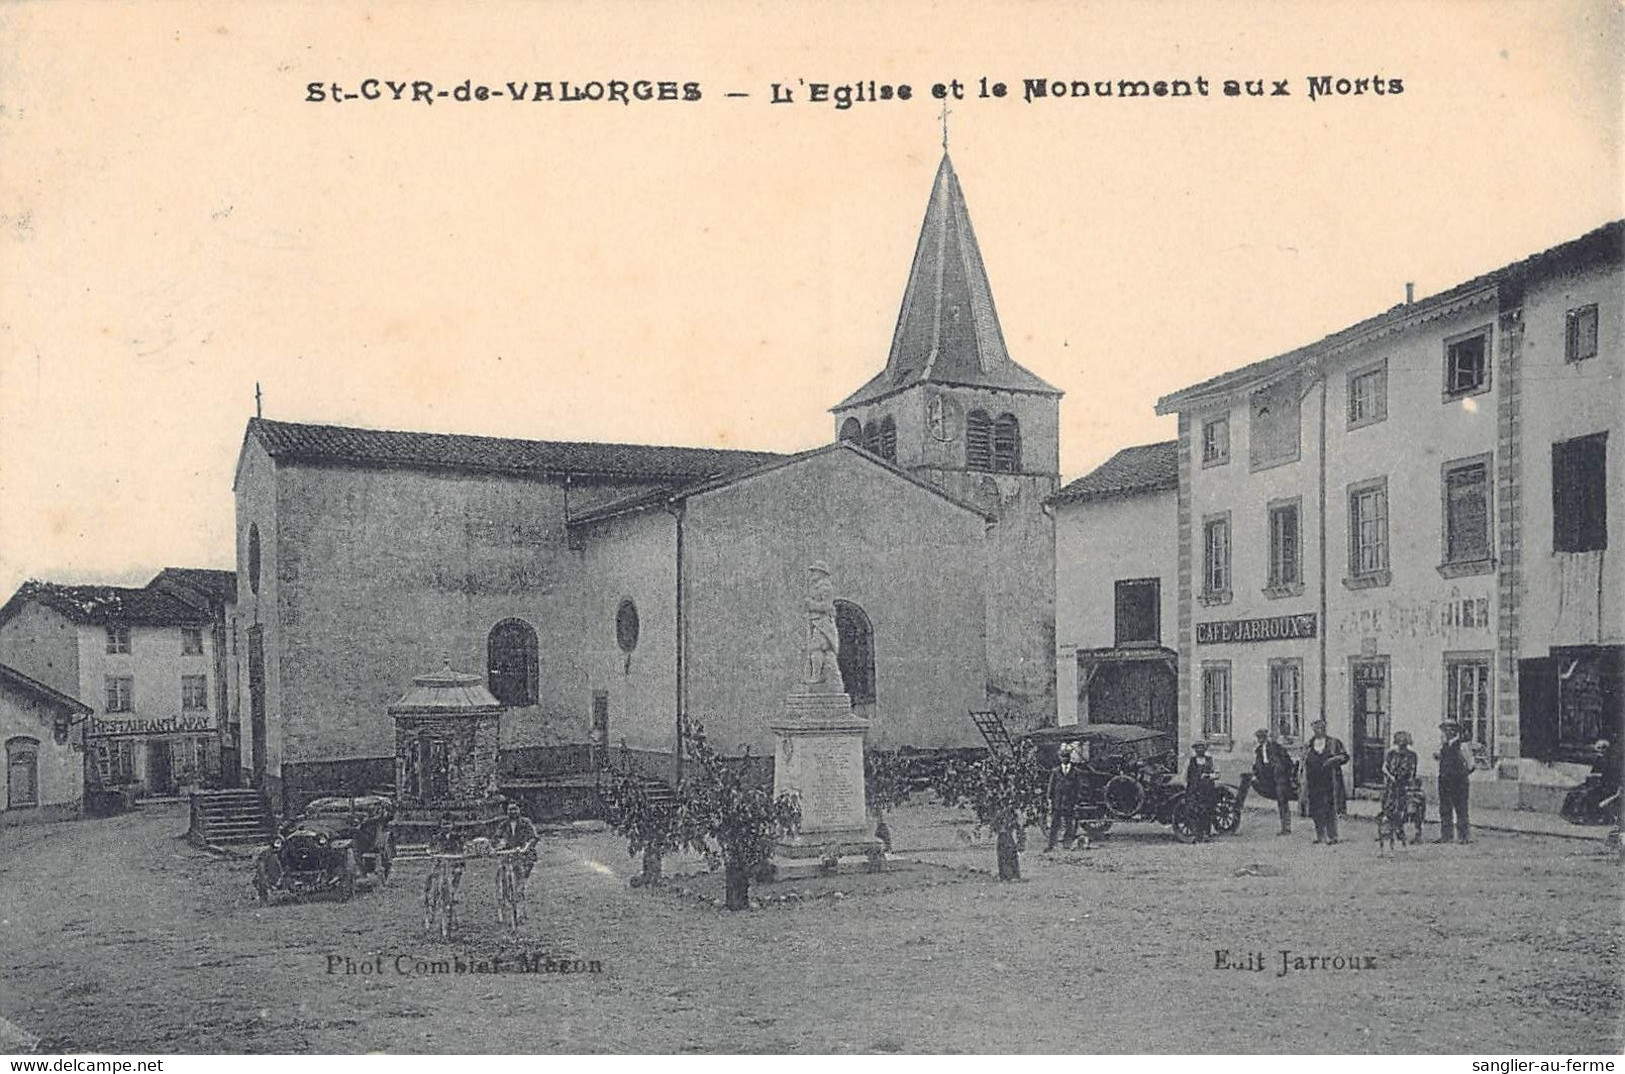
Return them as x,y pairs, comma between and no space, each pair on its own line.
1407,522
1116,591
42,733
142,660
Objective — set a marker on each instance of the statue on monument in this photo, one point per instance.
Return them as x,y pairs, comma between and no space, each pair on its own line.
823,672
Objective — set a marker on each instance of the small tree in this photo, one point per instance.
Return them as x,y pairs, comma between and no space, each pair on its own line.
724,815
648,819
884,788
1007,793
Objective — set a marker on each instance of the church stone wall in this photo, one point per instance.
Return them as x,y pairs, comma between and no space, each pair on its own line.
386,574
632,557
256,492
909,558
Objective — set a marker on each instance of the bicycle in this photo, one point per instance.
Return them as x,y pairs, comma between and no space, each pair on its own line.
510,887
440,896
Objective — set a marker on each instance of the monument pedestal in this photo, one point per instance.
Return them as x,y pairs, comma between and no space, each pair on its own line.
819,758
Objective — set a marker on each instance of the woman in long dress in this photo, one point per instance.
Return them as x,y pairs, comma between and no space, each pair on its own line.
1398,783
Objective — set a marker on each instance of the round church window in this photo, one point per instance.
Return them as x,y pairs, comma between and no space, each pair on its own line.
253,559
626,625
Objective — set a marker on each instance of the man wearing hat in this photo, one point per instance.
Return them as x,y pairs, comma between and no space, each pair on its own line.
1065,784
1201,791
1456,761
1323,761
1273,774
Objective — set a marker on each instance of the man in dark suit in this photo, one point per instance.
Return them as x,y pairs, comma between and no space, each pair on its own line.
1274,775
1323,761
1456,762
1065,784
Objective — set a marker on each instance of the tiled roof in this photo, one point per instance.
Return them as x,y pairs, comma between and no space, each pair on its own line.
446,451
45,693
106,604
1147,468
215,584
658,497
947,329
1606,243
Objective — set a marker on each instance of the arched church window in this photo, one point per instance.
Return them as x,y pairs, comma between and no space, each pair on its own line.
852,431
857,656
886,441
978,441
253,558
22,772
1007,444
511,662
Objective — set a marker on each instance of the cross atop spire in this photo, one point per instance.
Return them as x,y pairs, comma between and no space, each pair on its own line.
947,330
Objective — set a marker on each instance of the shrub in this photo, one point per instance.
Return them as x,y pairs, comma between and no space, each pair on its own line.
1007,794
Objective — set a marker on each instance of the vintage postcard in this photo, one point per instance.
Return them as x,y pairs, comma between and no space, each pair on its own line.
543,528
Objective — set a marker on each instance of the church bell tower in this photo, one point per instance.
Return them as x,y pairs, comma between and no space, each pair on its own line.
953,408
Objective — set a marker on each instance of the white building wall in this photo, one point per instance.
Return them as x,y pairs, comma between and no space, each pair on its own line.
1099,542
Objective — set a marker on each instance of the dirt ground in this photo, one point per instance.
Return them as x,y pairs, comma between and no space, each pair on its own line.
116,936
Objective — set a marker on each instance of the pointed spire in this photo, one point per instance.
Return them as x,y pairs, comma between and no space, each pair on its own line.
948,330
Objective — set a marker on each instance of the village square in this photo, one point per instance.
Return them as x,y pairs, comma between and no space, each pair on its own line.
634,570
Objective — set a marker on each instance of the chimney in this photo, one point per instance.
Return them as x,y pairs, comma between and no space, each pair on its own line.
1410,292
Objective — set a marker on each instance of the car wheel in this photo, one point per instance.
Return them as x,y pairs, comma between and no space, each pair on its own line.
1183,825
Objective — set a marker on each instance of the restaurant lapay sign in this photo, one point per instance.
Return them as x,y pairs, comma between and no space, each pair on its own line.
1275,628
162,725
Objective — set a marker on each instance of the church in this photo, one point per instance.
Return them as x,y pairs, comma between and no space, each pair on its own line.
606,590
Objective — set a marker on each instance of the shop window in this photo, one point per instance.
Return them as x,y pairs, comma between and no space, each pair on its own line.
978,441
1467,364
1580,334
1286,549
1216,559
1007,444
1216,699
857,656
1216,441
1589,697
511,662
120,693
1138,611
118,638
191,641
1580,494
1275,434
115,761
194,692
22,773
1368,534
1286,697
1368,396
1467,695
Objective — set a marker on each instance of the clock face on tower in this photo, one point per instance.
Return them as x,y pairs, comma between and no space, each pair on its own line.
944,418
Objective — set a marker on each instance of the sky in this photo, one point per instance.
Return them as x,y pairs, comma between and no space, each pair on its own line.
178,221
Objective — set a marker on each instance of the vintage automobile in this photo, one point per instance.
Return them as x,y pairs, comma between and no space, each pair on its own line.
1132,773
335,843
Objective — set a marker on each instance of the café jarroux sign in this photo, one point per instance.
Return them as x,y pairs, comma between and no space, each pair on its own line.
1275,628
